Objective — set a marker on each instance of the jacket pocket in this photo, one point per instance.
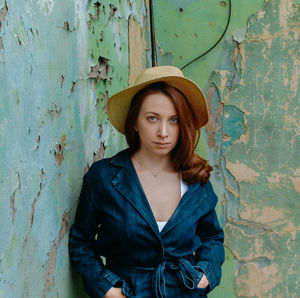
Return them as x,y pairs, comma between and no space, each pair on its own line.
126,289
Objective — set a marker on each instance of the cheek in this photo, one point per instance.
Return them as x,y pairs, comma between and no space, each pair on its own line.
176,132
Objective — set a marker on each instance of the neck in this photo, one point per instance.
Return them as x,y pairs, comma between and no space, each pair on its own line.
152,161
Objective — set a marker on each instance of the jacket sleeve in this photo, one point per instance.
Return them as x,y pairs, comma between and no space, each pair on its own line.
97,279
210,256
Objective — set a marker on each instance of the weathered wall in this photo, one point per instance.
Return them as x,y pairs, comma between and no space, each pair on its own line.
54,82
59,62
252,139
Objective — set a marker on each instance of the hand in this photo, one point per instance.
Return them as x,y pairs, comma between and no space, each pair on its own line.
203,282
114,293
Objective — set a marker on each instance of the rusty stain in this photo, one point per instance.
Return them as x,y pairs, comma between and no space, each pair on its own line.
12,200
100,70
51,264
59,152
223,3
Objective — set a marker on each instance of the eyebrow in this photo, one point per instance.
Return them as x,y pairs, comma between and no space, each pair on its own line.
175,115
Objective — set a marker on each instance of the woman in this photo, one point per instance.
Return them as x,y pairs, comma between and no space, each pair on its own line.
150,209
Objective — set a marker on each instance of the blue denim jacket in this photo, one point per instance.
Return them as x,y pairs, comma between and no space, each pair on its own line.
114,220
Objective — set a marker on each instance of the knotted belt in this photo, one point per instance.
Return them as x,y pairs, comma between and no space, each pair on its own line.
188,276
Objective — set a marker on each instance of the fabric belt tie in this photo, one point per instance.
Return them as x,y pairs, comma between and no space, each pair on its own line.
188,276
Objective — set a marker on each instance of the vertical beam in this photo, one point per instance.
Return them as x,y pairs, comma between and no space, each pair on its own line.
152,32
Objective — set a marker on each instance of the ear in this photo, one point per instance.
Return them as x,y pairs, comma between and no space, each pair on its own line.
135,129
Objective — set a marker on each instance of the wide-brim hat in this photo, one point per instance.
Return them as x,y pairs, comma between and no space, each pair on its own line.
118,104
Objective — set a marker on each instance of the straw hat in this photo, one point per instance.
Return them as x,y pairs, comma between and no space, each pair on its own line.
118,104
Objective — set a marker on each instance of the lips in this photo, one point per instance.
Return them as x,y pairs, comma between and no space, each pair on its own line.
160,144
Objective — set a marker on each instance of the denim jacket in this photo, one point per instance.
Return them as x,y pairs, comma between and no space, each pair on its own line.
114,220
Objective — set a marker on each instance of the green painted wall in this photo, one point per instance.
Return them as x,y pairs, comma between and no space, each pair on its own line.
61,60
252,139
53,92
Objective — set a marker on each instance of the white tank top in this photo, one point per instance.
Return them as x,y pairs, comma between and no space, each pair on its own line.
183,189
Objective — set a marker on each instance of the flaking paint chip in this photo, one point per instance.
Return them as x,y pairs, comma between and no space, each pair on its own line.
100,70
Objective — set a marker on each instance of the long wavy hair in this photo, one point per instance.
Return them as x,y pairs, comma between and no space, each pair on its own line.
193,168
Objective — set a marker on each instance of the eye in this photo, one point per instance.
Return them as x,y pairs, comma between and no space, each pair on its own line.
174,120
152,118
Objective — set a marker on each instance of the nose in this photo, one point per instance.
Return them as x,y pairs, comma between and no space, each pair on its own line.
163,130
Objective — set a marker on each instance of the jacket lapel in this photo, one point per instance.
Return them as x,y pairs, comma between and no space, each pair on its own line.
127,183
192,201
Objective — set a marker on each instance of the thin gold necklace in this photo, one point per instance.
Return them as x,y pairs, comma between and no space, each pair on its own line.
155,174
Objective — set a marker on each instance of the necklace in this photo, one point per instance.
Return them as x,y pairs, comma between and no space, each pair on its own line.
155,174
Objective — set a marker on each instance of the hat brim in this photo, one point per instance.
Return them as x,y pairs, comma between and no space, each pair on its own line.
119,103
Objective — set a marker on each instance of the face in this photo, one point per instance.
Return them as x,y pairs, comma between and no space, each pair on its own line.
157,124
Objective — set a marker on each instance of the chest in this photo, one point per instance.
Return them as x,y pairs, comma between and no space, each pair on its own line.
163,194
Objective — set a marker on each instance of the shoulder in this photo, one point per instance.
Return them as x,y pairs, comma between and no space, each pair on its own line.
209,193
107,166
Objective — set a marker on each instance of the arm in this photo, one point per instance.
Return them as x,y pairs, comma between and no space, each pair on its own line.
97,279
210,256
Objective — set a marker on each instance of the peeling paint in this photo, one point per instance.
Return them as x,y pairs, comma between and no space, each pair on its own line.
101,70
59,152
3,12
252,135
12,200
58,108
51,264
242,172
54,111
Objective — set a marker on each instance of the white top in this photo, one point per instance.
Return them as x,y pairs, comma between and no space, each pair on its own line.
183,189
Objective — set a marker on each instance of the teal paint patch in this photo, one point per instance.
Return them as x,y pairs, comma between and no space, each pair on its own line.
233,126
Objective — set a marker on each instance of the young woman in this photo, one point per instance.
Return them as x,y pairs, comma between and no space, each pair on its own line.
150,209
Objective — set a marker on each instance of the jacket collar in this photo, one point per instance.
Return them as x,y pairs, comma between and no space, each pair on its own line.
128,184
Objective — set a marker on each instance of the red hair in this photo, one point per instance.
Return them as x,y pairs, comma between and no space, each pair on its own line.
193,168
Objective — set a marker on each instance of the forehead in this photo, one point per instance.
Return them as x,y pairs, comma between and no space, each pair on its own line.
158,102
